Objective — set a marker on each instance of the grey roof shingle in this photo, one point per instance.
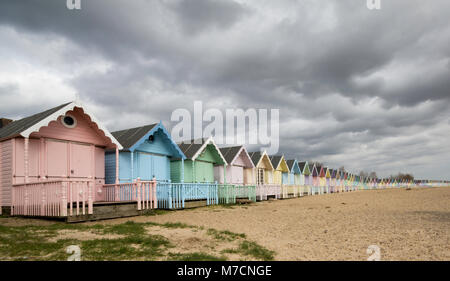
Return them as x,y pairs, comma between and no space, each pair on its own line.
275,159
129,137
333,173
229,153
319,169
290,164
13,129
255,156
302,165
190,148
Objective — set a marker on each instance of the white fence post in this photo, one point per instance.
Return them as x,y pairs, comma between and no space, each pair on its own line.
64,199
91,185
139,195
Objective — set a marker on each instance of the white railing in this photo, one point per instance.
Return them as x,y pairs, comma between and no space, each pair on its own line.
58,198
265,190
144,192
288,191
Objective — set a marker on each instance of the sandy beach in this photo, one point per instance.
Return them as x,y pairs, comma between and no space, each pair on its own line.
405,224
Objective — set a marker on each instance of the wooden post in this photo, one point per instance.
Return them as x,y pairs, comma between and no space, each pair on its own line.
64,199
13,160
225,173
116,192
155,201
139,194
132,165
193,171
182,170
43,200
117,165
91,185
1,190
93,162
25,210
41,159
25,155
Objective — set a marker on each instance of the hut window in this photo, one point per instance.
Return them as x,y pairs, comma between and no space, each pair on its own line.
69,121
151,138
260,179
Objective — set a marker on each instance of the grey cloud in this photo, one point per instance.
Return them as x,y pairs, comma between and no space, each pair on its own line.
325,66
198,15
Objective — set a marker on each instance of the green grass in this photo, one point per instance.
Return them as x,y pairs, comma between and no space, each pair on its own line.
225,235
171,225
125,228
134,247
195,257
251,249
254,250
32,242
125,241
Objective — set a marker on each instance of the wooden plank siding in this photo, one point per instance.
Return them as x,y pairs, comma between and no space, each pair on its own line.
6,172
145,158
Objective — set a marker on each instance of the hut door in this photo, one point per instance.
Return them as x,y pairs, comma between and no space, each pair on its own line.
69,160
161,167
260,177
80,161
145,166
57,159
204,171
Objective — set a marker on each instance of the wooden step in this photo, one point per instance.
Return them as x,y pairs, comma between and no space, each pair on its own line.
108,210
194,204
243,201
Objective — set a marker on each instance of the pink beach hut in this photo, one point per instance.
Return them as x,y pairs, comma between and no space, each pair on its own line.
53,163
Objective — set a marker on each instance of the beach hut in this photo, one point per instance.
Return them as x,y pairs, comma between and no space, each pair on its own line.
366,183
333,181
240,176
315,179
280,173
146,154
192,179
265,186
201,157
53,162
356,183
240,168
322,180
383,183
294,178
294,172
344,181
305,178
328,180
338,181
351,181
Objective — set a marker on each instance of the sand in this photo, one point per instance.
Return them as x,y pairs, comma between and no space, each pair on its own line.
404,224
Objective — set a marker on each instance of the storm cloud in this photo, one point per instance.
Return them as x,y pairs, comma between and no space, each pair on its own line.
365,89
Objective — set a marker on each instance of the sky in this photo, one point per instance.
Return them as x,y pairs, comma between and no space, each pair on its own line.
364,89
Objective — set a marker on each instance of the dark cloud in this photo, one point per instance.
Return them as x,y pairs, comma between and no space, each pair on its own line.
359,88
199,15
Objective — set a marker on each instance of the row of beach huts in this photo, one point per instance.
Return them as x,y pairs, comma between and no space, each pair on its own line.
63,163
